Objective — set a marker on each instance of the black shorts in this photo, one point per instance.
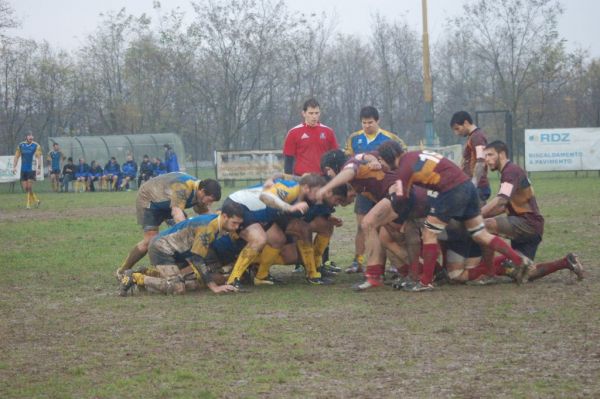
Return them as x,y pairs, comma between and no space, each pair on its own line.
318,210
153,218
27,175
55,172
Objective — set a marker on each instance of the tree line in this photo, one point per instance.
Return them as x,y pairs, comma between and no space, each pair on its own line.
234,75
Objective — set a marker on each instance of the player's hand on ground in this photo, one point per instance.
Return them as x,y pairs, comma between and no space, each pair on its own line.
219,289
301,207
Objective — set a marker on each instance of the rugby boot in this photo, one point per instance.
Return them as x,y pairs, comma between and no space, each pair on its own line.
400,282
575,265
370,282
325,272
319,281
517,273
331,267
355,267
417,287
238,285
126,282
269,280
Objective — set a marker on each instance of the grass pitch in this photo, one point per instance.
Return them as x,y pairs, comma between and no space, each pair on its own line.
65,334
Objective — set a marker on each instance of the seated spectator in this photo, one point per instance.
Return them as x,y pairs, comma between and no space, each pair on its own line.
146,170
94,175
112,172
159,167
68,175
82,171
129,172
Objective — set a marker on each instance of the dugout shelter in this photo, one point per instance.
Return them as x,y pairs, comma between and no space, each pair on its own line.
102,148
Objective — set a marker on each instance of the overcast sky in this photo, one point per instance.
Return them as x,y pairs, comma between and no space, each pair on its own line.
65,23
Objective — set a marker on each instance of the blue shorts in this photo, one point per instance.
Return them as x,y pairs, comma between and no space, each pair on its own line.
362,205
318,210
460,203
227,249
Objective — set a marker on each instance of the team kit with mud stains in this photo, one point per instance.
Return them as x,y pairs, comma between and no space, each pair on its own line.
431,221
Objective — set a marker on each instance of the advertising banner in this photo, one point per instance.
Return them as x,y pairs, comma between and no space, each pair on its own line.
6,169
570,149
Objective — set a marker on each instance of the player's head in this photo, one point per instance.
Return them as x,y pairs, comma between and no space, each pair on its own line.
496,154
70,160
93,163
145,158
129,157
310,183
369,118
461,123
81,160
113,160
167,146
332,162
232,216
29,137
209,191
311,112
390,153
340,195
55,146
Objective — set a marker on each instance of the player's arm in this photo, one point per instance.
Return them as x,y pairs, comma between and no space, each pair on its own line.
288,164
203,274
38,158
495,207
345,176
479,168
16,159
271,199
289,154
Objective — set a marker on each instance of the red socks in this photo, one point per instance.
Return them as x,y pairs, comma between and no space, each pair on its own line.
430,255
498,245
543,269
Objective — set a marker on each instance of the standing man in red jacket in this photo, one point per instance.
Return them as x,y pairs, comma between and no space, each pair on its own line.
305,143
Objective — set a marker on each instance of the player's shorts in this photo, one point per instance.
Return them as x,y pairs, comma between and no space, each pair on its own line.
227,249
460,203
523,237
27,175
318,210
362,204
151,219
55,171
459,241
160,258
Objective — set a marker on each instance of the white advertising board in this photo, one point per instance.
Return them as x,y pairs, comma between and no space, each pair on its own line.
6,169
562,149
248,165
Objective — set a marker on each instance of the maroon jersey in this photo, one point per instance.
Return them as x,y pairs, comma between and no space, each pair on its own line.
516,187
475,139
373,184
429,170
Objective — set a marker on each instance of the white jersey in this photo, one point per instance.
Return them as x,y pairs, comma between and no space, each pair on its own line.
249,197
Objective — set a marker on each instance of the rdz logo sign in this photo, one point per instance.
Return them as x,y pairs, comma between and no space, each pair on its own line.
555,137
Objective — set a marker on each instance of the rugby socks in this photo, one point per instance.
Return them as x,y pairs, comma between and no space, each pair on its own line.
498,245
320,244
29,200
307,254
430,255
268,256
134,257
403,270
245,259
375,272
480,270
543,269
416,269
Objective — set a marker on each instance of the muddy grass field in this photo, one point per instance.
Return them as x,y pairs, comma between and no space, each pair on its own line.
65,334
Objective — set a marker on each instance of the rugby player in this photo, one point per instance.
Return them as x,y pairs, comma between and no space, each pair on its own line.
55,160
365,140
26,151
82,174
266,218
165,197
187,244
112,172
513,213
456,198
